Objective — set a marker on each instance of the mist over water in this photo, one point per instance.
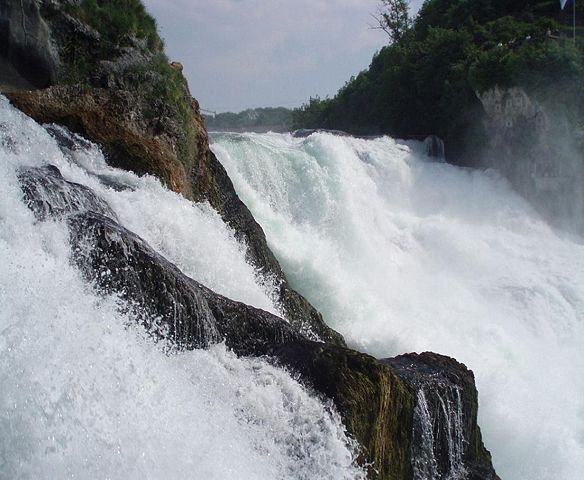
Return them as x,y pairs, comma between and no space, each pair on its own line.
403,254
86,394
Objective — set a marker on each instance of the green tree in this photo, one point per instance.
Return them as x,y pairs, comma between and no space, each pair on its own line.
393,18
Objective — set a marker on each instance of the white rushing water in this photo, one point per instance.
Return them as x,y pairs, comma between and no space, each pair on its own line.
84,394
401,254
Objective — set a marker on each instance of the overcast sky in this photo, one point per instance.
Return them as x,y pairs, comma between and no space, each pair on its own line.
239,54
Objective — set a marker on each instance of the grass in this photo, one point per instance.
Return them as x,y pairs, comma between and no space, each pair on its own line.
118,20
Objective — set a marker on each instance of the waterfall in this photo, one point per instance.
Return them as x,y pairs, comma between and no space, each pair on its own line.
401,253
86,392
445,418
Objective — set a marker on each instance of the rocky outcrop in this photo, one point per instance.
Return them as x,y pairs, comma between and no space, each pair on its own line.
376,405
379,401
48,194
185,311
446,440
116,261
108,118
123,94
26,46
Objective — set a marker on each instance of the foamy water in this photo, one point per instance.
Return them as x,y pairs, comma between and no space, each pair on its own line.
403,254
86,394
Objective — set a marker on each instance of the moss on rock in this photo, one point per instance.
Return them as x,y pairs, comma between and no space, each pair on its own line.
375,404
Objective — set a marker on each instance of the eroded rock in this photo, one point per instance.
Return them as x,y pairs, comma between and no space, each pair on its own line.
446,439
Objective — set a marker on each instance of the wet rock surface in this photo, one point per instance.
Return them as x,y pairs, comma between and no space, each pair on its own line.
446,439
48,194
376,405
413,416
139,109
186,312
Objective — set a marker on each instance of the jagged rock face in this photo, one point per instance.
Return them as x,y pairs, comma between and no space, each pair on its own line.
446,439
376,405
116,105
25,44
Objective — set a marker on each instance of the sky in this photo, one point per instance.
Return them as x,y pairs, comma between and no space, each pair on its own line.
240,54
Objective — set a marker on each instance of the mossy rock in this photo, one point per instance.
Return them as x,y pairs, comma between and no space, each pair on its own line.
377,407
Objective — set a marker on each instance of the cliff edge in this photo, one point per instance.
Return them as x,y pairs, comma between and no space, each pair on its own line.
100,70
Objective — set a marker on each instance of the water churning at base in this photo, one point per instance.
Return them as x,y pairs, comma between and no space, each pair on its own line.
401,253
87,394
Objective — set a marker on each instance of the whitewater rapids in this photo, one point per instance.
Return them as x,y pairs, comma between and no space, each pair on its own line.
401,253
85,394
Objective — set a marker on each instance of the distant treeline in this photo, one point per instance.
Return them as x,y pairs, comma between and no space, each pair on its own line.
277,119
425,81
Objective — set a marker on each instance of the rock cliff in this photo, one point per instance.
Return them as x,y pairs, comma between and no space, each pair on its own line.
113,84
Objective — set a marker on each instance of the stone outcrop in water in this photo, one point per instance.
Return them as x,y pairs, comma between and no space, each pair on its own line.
412,415
116,261
376,405
121,92
48,194
446,439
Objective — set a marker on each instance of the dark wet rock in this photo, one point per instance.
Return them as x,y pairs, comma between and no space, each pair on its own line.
167,302
67,140
47,193
125,96
29,59
375,404
446,439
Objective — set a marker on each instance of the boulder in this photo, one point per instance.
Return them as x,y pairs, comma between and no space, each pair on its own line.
375,404
446,439
48,194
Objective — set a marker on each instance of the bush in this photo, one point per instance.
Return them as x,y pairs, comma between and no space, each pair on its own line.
118,20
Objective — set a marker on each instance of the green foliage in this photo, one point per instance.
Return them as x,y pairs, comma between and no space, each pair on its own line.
119,23
393,18
425,82
118,20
